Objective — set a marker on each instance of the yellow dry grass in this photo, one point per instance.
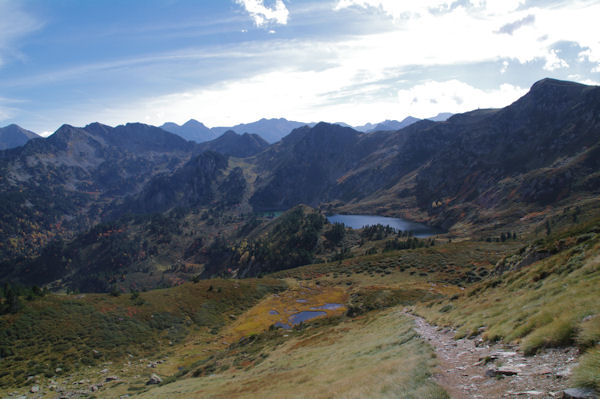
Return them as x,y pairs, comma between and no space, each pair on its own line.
378,356
279,307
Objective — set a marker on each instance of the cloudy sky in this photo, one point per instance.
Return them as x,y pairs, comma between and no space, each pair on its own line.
233,61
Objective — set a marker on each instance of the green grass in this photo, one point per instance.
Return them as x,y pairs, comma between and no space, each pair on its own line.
589,331
587,373
85,330
458,263
375,356
550,303
219,346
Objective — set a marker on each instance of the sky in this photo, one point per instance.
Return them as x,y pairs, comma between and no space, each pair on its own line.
235,61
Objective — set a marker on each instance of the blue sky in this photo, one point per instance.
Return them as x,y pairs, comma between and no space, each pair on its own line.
235,61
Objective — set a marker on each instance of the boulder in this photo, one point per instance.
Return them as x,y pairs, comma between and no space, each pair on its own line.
35,389
579,393
154,379
504,370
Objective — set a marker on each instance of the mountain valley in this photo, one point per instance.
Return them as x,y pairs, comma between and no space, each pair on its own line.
129,253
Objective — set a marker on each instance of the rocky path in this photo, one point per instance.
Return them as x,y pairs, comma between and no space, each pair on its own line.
471,368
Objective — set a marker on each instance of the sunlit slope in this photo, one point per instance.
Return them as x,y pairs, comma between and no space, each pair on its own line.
548,296
376,356
76,331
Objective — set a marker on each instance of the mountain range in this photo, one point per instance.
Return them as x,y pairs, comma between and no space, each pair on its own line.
458,175
451,172
387,125
273,130
191,130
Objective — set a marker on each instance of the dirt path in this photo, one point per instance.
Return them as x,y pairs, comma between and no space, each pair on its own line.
463,371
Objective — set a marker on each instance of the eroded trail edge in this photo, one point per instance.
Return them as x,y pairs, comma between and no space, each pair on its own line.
472,368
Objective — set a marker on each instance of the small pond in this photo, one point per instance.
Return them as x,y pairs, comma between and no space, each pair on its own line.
300,317
359,221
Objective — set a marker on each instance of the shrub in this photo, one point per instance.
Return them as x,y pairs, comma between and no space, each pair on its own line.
589,333
560,332
587,373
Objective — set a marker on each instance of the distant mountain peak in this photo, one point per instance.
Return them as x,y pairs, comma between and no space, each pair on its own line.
393,124
234,144
192,130
96,125
549,82
441,117
230,133
193,122
272,130
13,135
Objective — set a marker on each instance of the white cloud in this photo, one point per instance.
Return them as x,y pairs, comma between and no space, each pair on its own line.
4,113
14,24
428,98
471,32
352,78
262,14
406,9
397,9
307,96
7,109
554,62
580,79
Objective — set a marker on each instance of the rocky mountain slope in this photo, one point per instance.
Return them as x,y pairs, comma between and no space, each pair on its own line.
237,145
12,136
191,130
477,172
393,125
537,151
272,130
61,185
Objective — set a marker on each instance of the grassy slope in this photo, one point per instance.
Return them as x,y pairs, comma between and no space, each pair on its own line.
366,349
551,303
374,354
448,265
378,356
201,323
71,332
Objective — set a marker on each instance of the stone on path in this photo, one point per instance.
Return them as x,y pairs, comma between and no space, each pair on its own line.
579,393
